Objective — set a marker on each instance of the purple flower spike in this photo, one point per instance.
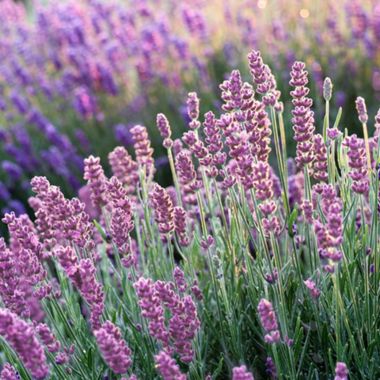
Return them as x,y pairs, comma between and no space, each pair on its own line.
22,338
94,175
241,373
113,348
167,367
9,373
164,129
341,371
180,219
144,152
303,117
268,321
319,168
362,109
357,163
163,209
314,291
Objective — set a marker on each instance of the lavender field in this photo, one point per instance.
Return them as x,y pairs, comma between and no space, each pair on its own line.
189,190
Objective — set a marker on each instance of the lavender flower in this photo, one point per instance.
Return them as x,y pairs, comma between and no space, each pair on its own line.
303,117
113,348
94,175
341,371
143,150
163,209
150,305
47,337
164,129
268,321
180,226
193,110
314,291
362,110
241,373
124,168
330,235
357,163
167,367
9,373
21,337
319,166
327,89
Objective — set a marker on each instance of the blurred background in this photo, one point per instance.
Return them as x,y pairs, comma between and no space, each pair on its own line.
76,75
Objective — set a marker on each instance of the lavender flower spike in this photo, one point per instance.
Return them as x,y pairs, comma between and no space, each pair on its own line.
167,367
22,338
9,373
362,109
164,129
268,321
113,348
241,373
341,371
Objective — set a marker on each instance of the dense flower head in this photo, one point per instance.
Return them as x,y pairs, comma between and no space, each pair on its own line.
330,234
341,371
193,110
143,149
180,226
241,373
22,338
163,209
357,163
269,321
47,337
319,168
9,373
82,273
361,109
167,367
303,117
94,175
327,88
114,350
164,129
124,168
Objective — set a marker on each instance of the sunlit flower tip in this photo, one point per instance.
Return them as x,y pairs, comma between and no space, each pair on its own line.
327,89
241,373
361,109
341,371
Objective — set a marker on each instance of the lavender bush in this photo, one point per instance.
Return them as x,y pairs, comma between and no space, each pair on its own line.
75,76
237,271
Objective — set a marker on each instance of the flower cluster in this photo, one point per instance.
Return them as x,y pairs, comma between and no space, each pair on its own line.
268,321
330,235
22,338
114,350
183,323
303,116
